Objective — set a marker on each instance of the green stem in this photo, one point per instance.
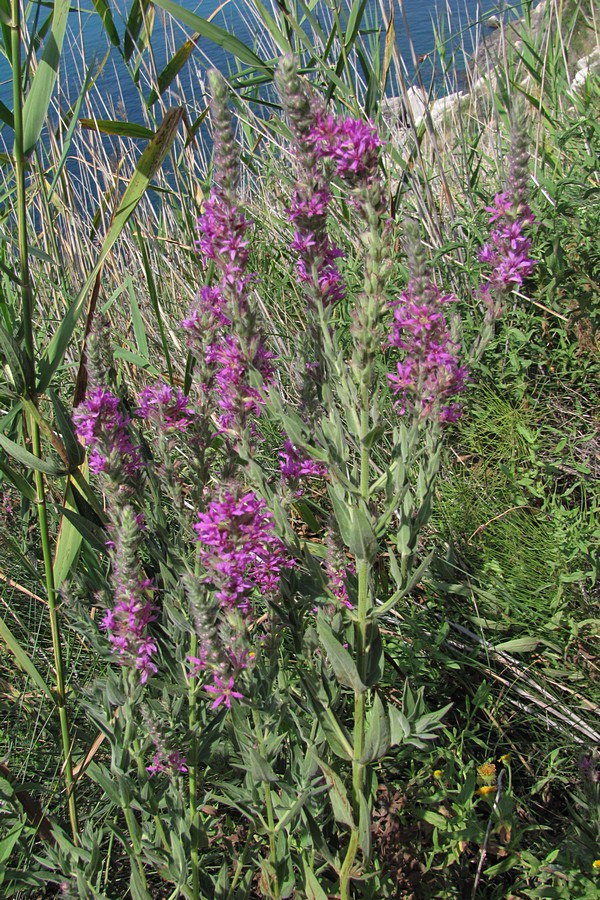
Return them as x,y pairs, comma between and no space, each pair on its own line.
33,427
269,807
193,778
130,742
363,571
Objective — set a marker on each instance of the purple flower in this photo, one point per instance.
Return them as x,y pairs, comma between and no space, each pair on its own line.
165,405
127,622
294,464
133,611
172,764
353,145
103,428
429,373
239,549
507,252
224,693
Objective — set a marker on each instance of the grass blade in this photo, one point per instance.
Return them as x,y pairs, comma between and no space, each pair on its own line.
37,102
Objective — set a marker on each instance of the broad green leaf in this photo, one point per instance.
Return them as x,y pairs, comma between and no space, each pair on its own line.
7,844
399,725
344,667
215,34
22,659
28,459
172,69
121,129
363,542
518,645
377,732
314,891
259,768
342,810
150,161
35,108
336,735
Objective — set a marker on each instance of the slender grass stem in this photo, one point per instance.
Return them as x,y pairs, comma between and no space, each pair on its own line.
32,424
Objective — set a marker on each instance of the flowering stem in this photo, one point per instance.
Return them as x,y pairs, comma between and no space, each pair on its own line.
193,775
128,741
269,807
362,571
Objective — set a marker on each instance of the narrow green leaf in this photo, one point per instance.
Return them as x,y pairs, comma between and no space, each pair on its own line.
7,844
7,116
90,531
375,655
64,426
364,826
17,481
150,161
103,10
22,659
215,34
18,364
172,69
139,28
35,108
121,129
68,541
139,329
28,459
344,667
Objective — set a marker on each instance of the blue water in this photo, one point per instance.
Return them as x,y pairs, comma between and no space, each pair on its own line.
459,21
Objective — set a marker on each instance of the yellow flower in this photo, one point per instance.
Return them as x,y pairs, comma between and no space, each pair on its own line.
487,773
596,864
505,758
486,789
438,773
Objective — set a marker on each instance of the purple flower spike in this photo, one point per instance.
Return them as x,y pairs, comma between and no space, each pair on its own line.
103,428
165,405
429,373
295,465
240,550
353,145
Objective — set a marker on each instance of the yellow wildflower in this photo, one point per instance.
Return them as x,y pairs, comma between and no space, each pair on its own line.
505,758
487,773
486,789
596,864
438,773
